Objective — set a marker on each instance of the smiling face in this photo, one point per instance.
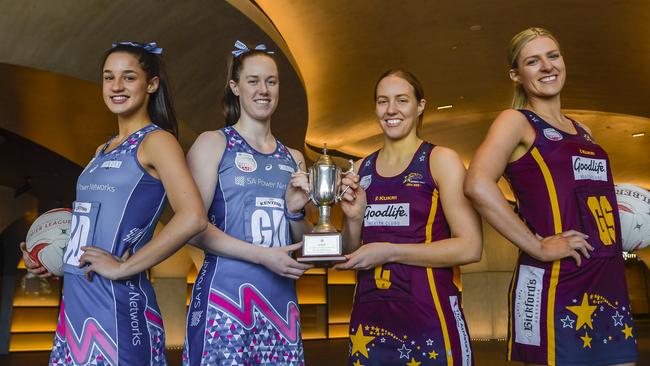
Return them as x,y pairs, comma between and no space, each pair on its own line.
397,107
124,85
258,87
540,68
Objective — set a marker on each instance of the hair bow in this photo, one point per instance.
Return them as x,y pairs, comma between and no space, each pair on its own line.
150,47
241,48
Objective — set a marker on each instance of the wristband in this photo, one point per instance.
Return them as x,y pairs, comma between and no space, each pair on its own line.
298,216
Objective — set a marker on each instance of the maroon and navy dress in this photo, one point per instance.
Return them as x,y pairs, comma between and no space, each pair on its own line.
561,314
403,313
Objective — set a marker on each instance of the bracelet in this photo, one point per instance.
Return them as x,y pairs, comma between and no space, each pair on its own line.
298,216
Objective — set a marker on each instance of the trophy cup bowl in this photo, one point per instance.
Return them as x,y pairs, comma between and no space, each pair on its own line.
323,246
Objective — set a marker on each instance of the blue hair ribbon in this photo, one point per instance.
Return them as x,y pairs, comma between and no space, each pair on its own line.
150,47
241,48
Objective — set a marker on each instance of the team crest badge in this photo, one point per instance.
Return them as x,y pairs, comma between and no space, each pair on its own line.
245,162
365,181
413,180
552,134
588,137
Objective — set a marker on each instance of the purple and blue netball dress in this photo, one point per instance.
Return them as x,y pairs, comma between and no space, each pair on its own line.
241,313
561,314
405,314
104,322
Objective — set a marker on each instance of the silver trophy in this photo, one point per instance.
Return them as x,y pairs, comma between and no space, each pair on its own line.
323,245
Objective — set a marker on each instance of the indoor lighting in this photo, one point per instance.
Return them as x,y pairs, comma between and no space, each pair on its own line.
638,134
448,106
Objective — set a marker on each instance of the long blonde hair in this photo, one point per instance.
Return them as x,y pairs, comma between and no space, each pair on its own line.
517,43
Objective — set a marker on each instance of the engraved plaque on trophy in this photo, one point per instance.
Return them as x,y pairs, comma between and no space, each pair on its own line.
323,246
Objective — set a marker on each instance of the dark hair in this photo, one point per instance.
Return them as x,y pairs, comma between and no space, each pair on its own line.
160,106
230,102
415,83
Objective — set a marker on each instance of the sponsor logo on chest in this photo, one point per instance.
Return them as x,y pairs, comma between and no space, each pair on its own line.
270,202
589,168
245,162
286,168
392,214
112,164
82,207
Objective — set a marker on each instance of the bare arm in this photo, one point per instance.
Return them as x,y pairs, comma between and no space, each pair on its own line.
465,244
203,159
162,153
509,137
297,197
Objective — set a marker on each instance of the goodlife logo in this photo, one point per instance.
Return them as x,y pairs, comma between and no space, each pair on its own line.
588,168
394,214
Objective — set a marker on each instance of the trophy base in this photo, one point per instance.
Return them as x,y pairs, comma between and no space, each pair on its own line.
327,261
322,249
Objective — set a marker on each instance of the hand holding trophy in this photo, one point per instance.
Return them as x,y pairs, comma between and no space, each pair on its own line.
323,246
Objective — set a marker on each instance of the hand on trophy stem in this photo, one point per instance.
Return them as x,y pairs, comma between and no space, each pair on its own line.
280,262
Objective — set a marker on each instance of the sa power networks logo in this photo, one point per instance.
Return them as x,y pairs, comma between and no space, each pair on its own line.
552,134
245,162
528,300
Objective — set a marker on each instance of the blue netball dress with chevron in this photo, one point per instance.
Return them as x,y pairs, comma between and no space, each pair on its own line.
104,322
241,313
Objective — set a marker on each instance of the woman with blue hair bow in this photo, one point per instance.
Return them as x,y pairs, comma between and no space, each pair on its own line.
109,314
244,308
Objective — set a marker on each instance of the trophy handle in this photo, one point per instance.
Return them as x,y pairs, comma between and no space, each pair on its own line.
351,170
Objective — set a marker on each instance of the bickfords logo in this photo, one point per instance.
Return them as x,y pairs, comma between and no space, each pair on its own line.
527,312
394,214
588,168
529,306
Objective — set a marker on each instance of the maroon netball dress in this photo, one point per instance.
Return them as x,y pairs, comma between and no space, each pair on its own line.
406,314
562,314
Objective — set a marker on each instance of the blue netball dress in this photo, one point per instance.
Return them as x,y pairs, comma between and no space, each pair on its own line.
104,322
241,313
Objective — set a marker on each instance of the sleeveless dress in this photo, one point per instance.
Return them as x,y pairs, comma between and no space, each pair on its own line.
561,314
104,322
240,312
404,314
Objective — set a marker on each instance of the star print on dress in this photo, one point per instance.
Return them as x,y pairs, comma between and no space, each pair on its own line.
586,340
413,362
618,319
627,331
584,312
567,322
360,342
404,352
